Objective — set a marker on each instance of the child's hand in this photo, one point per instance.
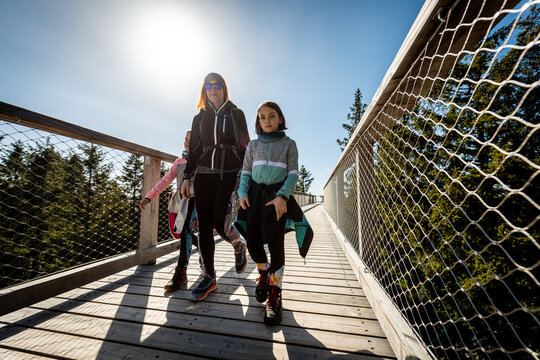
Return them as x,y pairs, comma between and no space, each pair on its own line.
185,189
244,202
280,205
143,203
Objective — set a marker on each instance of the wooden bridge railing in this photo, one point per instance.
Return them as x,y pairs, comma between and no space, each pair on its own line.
47,286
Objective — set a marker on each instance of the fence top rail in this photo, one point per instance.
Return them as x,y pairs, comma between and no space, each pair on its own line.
21,116
426,26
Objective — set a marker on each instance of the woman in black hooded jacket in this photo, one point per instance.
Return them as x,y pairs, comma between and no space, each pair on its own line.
219,137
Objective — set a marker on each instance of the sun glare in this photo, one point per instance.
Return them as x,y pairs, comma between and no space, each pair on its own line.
165,45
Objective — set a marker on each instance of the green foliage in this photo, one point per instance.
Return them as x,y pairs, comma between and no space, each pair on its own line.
61,210
132,182
304,180
132,178
356,112
460,173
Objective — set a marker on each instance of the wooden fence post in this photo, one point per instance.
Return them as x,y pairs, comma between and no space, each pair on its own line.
149,216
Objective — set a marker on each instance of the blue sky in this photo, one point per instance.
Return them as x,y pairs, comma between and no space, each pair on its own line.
133,69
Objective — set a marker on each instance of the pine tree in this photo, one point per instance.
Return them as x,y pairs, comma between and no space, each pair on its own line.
14,215
33,223
304,180
60,211
357,111
132,178
102,202
132,181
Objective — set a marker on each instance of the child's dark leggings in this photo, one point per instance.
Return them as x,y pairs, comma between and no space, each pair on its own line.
212,196
186,237
271,231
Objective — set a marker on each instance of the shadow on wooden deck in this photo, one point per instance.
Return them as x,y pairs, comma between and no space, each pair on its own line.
128,314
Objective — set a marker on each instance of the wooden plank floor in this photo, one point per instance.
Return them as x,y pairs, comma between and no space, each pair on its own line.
128,315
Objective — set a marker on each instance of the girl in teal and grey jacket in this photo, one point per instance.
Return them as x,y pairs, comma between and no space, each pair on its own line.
269,176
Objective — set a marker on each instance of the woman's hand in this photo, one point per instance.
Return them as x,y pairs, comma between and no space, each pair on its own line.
280,205
244,202
143,203
185,189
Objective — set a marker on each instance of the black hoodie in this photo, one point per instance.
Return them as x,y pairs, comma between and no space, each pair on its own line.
218,140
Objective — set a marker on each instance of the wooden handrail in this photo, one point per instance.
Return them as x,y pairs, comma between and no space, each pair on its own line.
18,115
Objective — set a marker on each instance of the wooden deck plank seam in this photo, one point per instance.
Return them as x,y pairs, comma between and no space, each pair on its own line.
143,346
165,326
256,322
260,306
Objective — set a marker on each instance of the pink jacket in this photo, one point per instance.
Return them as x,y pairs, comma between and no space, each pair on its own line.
166,180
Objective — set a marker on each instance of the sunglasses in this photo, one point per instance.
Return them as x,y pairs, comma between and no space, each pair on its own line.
217,86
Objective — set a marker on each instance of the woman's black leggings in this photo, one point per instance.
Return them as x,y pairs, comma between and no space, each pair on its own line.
212,196
270,231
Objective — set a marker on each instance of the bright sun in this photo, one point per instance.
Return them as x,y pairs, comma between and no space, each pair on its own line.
165,45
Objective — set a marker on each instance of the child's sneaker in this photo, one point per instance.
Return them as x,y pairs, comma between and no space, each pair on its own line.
207,285
273,312
179,278
261,291
240,258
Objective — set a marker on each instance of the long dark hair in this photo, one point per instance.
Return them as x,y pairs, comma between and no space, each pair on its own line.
274,106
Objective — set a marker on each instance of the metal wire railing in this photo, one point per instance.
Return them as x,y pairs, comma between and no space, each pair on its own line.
303,198
439,192
65,202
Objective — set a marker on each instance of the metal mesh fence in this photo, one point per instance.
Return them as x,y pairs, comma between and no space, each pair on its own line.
65,202
303,198
440,193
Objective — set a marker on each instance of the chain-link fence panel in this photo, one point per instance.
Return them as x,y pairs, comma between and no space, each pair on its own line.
447,188
65,202
303,198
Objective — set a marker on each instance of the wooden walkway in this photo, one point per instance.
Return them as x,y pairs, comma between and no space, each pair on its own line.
128,315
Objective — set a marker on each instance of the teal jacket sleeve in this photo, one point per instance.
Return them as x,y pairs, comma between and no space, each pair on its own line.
292,168
244,186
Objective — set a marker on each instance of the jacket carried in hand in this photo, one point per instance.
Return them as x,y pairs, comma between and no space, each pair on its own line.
259,195
271,169
219,138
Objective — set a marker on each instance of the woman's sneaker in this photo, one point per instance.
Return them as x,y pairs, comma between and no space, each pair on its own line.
240,259
207,285
261,291
273,312
179,278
